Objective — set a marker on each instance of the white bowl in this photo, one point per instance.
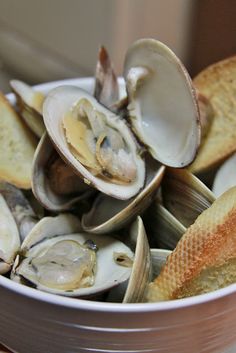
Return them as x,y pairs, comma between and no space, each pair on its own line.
36,322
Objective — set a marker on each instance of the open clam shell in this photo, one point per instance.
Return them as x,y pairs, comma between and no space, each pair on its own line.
51,260
142,266
57,104
184,195
163,229
162,103
42,187
30,104
9,237
108,214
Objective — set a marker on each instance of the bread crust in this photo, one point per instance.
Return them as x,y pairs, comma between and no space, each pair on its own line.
209,243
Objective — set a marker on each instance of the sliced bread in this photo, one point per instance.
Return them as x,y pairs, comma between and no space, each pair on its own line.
218,84
17,146
205,257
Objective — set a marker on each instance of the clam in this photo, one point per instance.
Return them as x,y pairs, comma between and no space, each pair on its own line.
29,103
9,237
184,195
20,208
54,183
57,258
108,214
162,103
163,229
94,141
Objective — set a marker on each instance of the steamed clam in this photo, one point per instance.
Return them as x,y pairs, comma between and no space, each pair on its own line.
98,145
58,258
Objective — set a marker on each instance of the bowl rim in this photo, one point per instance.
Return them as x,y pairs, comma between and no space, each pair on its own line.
82,304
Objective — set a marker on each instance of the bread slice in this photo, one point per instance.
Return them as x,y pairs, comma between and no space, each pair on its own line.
218,84
205,257
17,146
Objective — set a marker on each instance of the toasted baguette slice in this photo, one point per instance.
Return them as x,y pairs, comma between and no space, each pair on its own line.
17,146
218,84
205,257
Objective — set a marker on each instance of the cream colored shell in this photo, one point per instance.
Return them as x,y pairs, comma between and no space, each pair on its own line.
162,102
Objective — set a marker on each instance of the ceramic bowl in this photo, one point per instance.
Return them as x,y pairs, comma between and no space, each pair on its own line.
36,322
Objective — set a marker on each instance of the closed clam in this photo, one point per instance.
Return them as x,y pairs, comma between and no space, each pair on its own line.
163,229
185,196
